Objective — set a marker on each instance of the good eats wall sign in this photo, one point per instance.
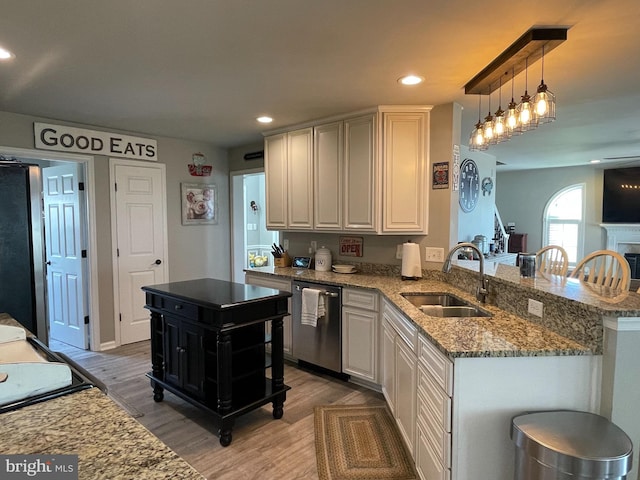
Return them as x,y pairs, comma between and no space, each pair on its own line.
70,139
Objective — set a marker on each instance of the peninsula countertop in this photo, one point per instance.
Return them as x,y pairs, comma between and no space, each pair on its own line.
501,335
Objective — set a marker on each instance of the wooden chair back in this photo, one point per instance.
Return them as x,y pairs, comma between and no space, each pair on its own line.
606,268
552,259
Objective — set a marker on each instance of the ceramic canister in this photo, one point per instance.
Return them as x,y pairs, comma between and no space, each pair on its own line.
323,259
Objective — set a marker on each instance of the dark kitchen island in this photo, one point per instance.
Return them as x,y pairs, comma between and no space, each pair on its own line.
209,347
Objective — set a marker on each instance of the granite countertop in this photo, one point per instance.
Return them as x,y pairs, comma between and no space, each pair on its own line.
109,443
501,335
604,300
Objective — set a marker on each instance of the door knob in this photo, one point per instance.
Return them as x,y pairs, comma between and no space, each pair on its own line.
49,262
158,261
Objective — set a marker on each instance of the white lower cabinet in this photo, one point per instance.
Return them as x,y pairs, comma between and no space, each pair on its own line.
434,412
360,320
428,464
451,437
399,371
406,391
276,284
417,382
388,364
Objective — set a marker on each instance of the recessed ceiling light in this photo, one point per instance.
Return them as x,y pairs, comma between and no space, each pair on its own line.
264,119
5,54
411,80
594,161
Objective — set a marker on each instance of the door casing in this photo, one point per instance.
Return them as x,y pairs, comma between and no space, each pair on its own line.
113,162
90,208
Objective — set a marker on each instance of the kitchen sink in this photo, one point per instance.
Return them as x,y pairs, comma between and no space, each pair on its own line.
457,311
443,299
444,305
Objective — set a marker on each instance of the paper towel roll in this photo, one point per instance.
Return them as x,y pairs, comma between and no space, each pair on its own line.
411,263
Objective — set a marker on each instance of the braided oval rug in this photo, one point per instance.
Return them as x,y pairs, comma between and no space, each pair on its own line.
360,442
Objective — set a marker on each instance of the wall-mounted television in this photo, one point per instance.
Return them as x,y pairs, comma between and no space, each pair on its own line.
621,195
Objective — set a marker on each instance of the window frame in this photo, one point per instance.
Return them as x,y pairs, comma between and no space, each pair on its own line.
546,221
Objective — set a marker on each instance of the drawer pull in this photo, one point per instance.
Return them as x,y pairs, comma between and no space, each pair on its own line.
178,307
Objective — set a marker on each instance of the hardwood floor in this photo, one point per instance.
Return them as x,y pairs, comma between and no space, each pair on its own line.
261,448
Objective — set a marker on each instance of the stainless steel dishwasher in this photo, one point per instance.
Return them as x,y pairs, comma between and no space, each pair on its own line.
320,345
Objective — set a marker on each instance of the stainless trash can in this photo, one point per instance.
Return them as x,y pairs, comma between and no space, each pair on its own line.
570,445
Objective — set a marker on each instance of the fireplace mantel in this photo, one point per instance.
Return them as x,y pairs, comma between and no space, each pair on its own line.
621,233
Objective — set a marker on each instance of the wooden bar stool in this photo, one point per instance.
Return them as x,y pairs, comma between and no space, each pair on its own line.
606,268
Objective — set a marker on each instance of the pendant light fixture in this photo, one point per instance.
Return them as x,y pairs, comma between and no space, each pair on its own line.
476,139
544,101
489,136
529,113
499,127
526,117
511,120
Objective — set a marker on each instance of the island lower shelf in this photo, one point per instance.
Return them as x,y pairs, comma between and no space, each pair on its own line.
243,402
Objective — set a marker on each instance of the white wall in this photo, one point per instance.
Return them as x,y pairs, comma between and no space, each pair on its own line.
522,196
480,220
193,251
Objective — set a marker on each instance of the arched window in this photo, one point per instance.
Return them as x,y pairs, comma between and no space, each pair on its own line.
563,221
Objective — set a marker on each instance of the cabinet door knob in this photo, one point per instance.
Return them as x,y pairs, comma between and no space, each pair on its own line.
180,349
178,307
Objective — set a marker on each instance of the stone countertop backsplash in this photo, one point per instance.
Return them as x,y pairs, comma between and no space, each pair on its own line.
571,324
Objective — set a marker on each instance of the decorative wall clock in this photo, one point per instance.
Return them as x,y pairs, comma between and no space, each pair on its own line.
469,185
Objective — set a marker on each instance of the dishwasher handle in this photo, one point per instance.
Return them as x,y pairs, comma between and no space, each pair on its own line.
325,293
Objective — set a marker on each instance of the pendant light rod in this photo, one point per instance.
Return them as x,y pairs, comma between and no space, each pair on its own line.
528,46
542,64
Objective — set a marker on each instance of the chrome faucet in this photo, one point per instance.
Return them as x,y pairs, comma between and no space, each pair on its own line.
481,292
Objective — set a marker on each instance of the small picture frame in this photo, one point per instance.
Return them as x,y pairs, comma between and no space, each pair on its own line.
199,204
440,175
301,262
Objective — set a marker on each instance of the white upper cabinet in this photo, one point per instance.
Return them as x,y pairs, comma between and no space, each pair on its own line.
404,172
275,169
328,160
345,175
289,181
360,181
300,181
353,173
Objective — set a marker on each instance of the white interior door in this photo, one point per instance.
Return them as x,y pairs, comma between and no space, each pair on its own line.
140,225
66,300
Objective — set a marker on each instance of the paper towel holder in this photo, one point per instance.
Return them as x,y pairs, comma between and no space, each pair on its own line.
411,268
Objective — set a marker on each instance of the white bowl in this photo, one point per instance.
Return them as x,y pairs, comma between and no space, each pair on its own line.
343,268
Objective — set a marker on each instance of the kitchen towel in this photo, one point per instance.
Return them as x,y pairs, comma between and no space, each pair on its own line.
312,306
411,262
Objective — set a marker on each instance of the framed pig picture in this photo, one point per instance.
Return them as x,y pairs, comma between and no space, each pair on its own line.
199,204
